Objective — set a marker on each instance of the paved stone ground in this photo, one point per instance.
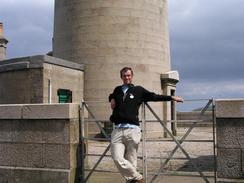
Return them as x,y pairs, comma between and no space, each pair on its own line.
200,152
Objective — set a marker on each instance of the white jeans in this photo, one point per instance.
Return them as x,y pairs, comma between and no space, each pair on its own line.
124,146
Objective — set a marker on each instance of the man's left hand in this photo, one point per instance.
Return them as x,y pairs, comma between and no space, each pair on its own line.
177,99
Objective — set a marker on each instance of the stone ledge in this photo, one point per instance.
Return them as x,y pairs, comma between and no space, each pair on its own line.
39,111
11,111
14,66
230,108
51,111
170,77
37,61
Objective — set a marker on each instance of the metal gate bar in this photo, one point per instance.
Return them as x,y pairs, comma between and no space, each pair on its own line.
95,166
214,141
181,141
144,148
144,140
96,121
178,145
85,179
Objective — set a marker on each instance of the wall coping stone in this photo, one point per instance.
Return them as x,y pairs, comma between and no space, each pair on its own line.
37,61
229,108
39,111
170,77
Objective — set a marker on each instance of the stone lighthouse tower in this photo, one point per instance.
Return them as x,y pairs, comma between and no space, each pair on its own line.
108,35
3,43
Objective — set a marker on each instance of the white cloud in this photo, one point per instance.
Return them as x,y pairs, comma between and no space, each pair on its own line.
28,25
182,8
212,89
197,94
22,3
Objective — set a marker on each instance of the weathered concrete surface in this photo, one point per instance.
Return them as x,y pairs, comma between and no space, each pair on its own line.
62,78
109,35
36,79
38,111
13,111
230,108
195,116
21,86
39,148
230,138
22,175
230,133
43,111
229,163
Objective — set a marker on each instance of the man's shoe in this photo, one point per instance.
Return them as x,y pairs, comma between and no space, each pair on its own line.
132,181
140,181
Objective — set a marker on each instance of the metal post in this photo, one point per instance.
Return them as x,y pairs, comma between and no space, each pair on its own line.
214,141
82,142
173,115
49,91
173,118
144,149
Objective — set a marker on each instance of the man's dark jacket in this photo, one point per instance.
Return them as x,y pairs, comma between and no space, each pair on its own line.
127,105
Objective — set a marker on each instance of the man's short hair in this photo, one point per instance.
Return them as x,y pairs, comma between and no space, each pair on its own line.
125,69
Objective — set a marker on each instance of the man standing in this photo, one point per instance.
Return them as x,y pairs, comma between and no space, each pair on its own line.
125,102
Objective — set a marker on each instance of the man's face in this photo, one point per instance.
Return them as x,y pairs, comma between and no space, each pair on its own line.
127,77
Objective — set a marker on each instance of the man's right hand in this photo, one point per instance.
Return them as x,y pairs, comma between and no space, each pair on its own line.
112,103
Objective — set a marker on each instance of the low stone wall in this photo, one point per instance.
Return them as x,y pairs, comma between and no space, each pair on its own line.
230,140
183,117
38,143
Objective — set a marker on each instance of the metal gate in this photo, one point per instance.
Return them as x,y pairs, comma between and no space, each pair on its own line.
159,165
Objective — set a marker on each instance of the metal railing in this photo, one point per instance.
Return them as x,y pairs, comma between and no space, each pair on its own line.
149,177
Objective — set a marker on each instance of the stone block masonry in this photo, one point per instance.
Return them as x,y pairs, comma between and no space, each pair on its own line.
38,143
230,139
37,79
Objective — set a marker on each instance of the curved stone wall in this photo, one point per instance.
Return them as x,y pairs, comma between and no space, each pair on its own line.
108,35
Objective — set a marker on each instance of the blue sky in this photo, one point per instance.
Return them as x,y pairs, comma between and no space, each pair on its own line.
206,39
